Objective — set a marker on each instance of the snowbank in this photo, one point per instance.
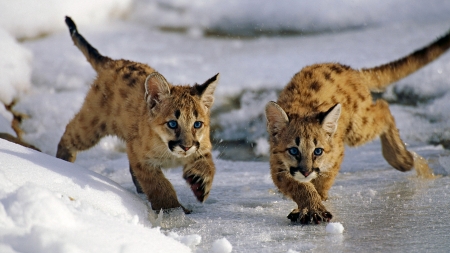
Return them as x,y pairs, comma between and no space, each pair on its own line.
15,67
28,19
15,72
5,121
48,205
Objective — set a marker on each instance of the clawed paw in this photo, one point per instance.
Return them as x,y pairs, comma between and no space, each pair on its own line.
197,186
309,217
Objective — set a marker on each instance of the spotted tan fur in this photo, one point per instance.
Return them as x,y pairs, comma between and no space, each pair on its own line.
163,125
325,106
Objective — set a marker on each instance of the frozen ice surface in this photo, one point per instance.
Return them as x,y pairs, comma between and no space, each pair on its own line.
334,228
382,209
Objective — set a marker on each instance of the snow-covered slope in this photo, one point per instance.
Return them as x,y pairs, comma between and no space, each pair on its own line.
49,205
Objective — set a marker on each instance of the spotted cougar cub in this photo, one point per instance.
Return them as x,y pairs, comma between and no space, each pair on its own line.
163,125
325,106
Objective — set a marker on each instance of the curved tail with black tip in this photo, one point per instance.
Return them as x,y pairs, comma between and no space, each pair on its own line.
92,55
380,77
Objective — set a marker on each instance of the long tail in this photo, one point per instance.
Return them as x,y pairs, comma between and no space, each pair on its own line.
378,78
92,55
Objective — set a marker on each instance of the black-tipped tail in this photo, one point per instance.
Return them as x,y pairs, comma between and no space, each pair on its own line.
92,55
71,25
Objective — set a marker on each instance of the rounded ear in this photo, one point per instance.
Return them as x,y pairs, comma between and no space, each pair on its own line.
330,121
276,118
156,88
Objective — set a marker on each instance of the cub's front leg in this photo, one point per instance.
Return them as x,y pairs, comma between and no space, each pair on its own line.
310,208
199,173
151,181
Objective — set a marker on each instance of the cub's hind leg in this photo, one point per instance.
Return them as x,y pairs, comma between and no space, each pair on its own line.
82,133
378,120
135,181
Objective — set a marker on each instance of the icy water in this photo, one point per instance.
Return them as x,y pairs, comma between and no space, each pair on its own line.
381,209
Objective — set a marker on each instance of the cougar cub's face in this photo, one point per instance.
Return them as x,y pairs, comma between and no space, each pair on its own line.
303,147
180,115
183,125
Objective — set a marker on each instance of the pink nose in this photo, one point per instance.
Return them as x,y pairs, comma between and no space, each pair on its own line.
185,148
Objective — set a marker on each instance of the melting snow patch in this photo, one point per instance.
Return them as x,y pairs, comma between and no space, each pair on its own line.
221,246
334,228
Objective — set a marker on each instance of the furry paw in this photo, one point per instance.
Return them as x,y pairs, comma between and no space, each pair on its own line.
309,217
197,186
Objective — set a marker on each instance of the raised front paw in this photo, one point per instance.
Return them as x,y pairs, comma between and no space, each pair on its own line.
310,216
198,187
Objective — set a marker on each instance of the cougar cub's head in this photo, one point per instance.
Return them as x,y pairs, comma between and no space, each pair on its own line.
180,114
300,145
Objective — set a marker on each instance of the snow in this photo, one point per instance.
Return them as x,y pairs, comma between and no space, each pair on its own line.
221,246
5,120
262,147
15,68
249,17
189,240
28,19
47,205
334,228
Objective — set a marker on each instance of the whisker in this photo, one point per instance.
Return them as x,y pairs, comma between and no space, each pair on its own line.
199,152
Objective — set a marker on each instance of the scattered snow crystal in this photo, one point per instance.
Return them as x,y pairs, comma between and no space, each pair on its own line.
221,246
262,147
334,228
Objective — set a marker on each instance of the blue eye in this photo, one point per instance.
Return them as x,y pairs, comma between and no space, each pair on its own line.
293,151
198,124
172,124
318,151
